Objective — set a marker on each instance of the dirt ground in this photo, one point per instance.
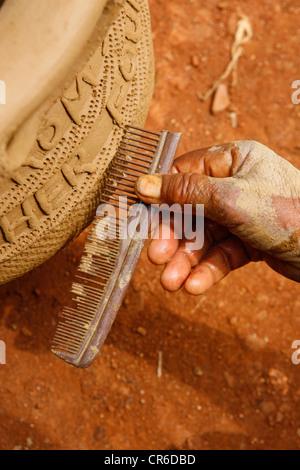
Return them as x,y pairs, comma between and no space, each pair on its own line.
228,381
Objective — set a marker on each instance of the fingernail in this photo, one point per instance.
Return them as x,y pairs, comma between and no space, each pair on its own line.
150,186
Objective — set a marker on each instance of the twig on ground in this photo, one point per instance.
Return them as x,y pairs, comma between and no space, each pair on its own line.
160,363
243,34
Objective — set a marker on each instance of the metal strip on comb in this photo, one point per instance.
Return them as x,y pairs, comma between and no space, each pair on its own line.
108,260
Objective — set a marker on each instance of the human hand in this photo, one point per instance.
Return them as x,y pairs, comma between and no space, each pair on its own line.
251,200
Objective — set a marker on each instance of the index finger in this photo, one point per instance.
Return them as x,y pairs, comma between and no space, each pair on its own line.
220,162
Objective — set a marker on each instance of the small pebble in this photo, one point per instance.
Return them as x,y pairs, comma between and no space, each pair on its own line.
198,372
17,448
26,332
141,331
254,343
233,120
221,99
29,442
230,379
195,61
99,434
233,320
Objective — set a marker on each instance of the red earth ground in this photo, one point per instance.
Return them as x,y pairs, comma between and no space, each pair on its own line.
228,381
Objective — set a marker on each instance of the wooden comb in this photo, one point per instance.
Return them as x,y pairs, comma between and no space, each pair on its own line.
110,255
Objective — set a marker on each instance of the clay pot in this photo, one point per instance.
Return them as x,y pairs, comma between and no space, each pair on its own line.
75,74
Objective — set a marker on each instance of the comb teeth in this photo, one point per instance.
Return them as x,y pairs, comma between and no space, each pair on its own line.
108,260
135,157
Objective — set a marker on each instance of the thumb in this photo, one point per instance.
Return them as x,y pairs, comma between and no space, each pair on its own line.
215,194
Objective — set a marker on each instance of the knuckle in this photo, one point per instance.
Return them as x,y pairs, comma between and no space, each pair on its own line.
192,188
246,147
181,188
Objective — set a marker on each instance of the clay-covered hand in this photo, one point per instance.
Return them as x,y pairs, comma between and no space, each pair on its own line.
251,200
